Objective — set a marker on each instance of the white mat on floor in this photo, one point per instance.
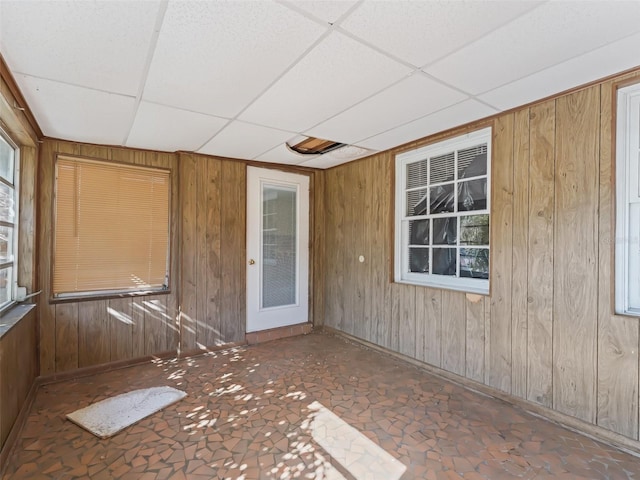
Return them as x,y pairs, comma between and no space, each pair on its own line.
107,417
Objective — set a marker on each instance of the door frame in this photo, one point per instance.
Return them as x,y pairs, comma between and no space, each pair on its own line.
256,177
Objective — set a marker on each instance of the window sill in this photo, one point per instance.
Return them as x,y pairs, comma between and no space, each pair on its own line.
108,296
13,316
482,290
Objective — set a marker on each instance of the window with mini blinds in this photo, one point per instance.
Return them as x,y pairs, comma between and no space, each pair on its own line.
442,214
111,228
627,250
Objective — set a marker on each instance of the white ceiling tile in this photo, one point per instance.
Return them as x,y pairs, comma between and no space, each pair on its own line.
610,59
215,57
424,31
81,114
327,10
101,45
281,154
243,140
411,98
336,74
451,117
169,129
552,33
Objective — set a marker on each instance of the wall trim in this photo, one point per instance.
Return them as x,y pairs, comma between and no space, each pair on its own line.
592,431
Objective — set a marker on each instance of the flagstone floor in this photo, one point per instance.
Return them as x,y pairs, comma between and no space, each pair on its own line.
313,406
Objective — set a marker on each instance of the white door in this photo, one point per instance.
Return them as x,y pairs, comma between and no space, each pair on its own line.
277,249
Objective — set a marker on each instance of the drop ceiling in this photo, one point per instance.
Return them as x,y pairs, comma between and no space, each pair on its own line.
242,78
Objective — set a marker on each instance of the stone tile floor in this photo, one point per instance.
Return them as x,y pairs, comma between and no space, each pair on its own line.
314,406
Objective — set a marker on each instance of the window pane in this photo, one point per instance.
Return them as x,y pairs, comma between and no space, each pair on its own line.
6,244
474,230
6,282
442,199
419,260
444,261
419,232
472,162
442,168
6,160
7,213
472,195
474,262
417,202
445,231
279,245
417,174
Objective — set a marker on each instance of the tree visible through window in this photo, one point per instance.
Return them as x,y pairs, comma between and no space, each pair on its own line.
111,228
442,214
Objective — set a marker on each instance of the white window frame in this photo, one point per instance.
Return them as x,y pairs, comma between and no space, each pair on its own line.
627,245
402,274
13,263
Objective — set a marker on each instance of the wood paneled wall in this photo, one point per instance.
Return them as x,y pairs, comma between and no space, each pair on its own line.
547,332
213,249
207,304
92,332
18,370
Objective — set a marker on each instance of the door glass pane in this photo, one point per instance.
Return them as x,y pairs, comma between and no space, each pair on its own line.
278,246
6,203
6,160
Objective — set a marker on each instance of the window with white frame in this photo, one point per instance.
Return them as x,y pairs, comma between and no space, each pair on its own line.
627,250
442,214
9,168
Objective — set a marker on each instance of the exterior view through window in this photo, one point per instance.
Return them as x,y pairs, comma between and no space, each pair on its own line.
442,214
8,219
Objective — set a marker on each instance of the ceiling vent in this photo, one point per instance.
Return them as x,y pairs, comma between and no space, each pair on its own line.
315,146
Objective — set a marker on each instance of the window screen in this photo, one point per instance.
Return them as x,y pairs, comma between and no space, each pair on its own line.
111,228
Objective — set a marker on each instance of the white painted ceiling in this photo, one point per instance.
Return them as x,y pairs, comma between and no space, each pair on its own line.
241,78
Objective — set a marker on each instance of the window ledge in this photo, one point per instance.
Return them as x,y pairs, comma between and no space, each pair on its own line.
12,317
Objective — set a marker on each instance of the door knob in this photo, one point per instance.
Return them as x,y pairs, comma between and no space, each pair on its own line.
252,261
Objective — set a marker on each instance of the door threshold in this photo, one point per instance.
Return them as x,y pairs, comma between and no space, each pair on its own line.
276,333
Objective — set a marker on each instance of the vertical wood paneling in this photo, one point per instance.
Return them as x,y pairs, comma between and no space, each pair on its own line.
519,278
121,323
233,225
94,342
407,320
18,370
155,323
200,250
475,337
47,327
540,255
454,332
318,235
188,306
213,279
618,337
66,315
576,254
378,279
137,327
498,368
334,277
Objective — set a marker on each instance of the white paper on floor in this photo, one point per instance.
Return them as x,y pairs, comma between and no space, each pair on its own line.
107,417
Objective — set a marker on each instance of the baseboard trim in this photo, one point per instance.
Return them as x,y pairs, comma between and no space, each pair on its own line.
278,333
594,432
